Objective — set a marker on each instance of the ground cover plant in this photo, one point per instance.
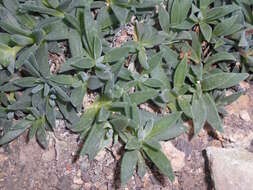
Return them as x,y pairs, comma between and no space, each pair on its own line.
177,62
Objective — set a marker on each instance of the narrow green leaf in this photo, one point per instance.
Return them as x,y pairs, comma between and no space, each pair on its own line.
85,122
213,117
225,27
165,129
26,82
220,56
199,113
142,96
15,131
206,30
120,12
185,105
93,142
181,73
63,79
179,11
219,12
222,80
128,165
161,162
142,57
116,54
50,114
164,19
41,136
141,166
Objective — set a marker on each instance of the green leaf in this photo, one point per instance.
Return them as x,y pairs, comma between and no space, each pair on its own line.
81,63
120,123
181,73
61,94
7,54
77,95
213,117
50,114
94,140
141,166
179,11
128,165
26,82
41,136
220,56
103,115
142,57
185,105
15,131
42,59
164,19
116,54
153,83
205,3
12,29
120,12
63,79
222,80
132,144
85,122
206,30
165,129
142,96
75,44
196,46
225,27
161,162
199,113
35,125
42,10
94,83
97,47
219,12
21,40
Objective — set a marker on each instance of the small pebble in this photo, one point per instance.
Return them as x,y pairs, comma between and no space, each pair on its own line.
244,115
77,180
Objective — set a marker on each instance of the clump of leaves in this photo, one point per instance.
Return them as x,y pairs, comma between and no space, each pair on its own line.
183,56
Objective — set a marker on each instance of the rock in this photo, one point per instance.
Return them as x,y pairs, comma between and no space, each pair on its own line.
77,180
101,155
48,155
53,180
3,157
87,186
244,85
75,186
244,115
243,102
64,183
31,151
79,173
2,176
231,168
175,156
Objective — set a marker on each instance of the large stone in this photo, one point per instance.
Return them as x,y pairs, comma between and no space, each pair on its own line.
231,168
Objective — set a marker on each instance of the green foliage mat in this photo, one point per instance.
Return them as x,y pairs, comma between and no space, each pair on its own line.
182,56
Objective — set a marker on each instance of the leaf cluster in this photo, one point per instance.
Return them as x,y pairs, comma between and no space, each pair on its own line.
182,56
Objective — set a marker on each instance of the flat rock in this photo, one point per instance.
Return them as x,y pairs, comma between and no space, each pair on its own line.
231,168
